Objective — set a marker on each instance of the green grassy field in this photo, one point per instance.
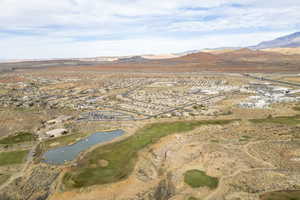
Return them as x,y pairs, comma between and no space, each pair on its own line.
3,91
121,156
63,140
285,120
14,157
192,198
281,195
18,138
196,178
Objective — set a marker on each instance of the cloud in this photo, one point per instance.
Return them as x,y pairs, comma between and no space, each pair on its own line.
268,18
63,24
23,47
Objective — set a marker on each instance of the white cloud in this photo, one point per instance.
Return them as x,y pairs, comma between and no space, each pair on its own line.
43,28
43,47
253,17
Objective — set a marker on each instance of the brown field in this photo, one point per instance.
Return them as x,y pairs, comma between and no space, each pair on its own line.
240,61
286,51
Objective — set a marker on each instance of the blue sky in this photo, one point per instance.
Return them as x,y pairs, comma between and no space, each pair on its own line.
89,28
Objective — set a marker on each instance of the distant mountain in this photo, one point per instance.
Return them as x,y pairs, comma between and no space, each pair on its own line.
187,52
208,50
132,59
289,41
221,48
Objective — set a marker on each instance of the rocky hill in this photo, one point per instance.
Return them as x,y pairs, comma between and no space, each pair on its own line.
292,40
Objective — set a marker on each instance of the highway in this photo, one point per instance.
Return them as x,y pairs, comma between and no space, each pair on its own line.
260,78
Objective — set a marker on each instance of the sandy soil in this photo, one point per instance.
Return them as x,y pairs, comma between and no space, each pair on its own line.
286,51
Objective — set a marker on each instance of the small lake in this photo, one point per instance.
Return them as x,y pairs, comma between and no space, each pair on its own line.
60,155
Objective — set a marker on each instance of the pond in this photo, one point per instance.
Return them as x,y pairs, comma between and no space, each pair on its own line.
63,154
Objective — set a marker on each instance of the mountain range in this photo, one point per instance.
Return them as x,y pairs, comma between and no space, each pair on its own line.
289,41
278,55
287,44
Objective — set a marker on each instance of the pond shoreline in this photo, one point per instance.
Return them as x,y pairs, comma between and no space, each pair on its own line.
69,153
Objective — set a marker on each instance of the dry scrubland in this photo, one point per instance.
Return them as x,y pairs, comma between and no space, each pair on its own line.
287,51
188,135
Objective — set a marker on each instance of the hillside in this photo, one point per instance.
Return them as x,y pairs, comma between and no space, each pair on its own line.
289,41
286,51
242,60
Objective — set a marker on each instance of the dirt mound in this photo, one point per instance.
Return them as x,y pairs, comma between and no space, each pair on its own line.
103,163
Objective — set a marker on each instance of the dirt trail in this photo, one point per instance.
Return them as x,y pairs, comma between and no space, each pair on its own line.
245,149
25,167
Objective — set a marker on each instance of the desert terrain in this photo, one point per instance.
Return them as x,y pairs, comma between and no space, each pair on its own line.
200,126
237,61
149,100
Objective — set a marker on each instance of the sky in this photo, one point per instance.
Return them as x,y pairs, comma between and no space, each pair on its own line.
39,29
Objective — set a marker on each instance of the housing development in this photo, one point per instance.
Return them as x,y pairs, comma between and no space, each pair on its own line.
149,100
107,132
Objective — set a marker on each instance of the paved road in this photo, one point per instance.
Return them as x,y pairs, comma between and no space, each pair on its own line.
260,78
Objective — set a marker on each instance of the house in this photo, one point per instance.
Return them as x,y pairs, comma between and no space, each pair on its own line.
56,132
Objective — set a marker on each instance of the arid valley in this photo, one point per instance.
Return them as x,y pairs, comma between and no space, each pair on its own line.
149,100
143,129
